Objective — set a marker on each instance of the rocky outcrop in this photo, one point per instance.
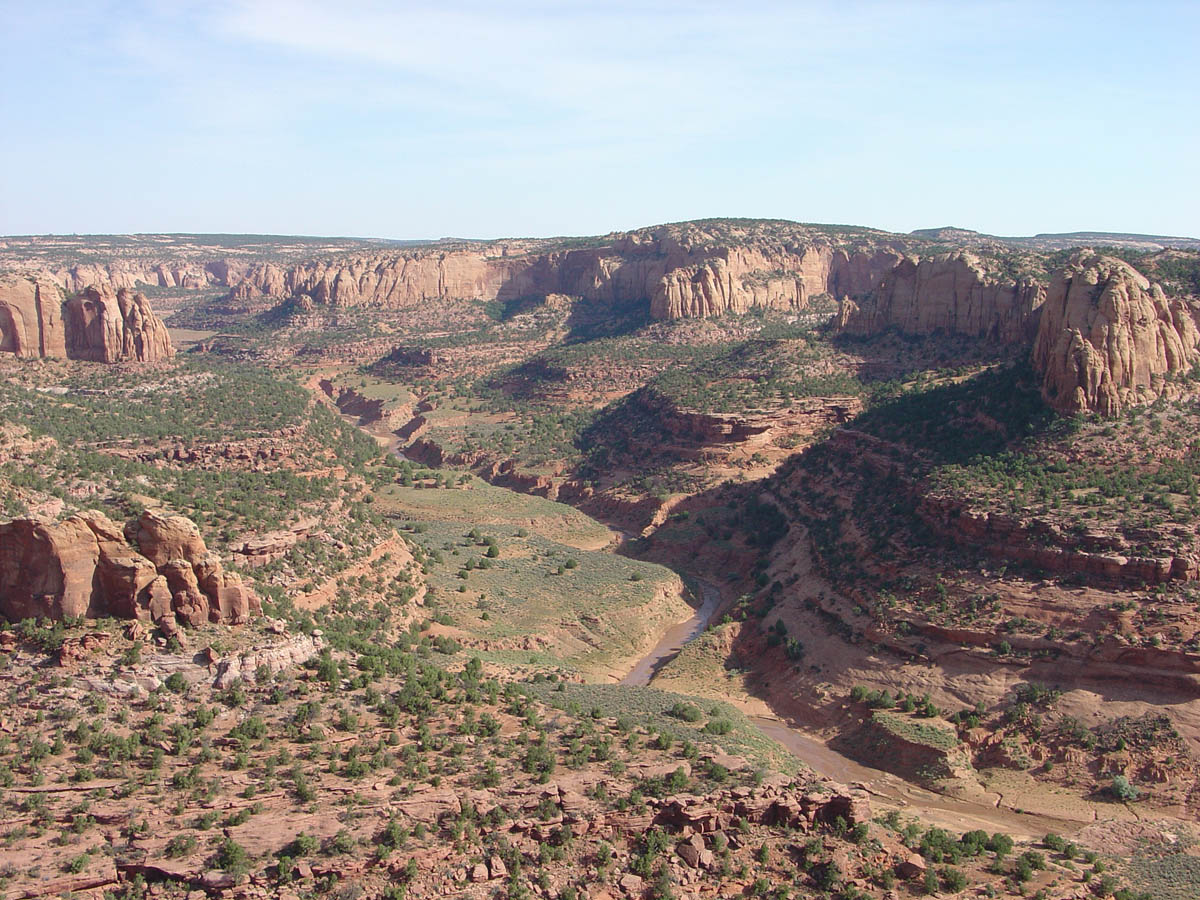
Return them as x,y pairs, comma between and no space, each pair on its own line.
87,566
680,271
96,325
368,410
260,549
407,356
698,430
1109,338
31,320
691,269
121,328
257,453
1043,544
129,273
387,280
271,658
952,293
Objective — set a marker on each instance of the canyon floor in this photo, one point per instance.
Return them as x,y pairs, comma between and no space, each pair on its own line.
573,596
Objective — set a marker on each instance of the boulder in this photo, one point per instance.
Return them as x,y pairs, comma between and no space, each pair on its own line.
911,867
632,885
691,850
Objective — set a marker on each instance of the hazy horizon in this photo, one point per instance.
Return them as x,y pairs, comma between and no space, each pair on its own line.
411,121
550,237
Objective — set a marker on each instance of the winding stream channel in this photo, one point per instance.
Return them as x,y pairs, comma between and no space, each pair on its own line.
888,790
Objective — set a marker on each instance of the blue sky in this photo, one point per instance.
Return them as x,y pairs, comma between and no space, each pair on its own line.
416,120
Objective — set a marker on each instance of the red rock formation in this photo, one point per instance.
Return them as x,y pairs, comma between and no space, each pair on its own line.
258,550
701,429
96,325
680,271
122,328
684,270
47,569
84,566
1109,338
951,293
129,273
1046,547
31,317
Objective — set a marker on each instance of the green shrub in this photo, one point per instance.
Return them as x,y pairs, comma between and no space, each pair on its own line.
232,857
1123,790
686,711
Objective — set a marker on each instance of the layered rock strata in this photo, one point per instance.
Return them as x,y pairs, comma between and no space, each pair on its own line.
156,569
678,275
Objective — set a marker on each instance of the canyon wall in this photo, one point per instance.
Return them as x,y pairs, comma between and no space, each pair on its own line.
951,293
687,270
97,325
129,273
31,322
684,275
676,277
1109,338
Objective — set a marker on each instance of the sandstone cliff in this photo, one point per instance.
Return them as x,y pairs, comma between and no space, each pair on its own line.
121,328
687,270
88,566
121,273
31,321
951,293
1109,338
690,269
96,325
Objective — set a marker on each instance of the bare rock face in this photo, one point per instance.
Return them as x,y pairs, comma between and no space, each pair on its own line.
173,544
164,538
47,569
31,317
951,293
84,566
275,657
128,273
679,274
96,325
121,328
1108,338
735,279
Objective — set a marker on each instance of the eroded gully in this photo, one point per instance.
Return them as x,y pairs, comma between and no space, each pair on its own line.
890,791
